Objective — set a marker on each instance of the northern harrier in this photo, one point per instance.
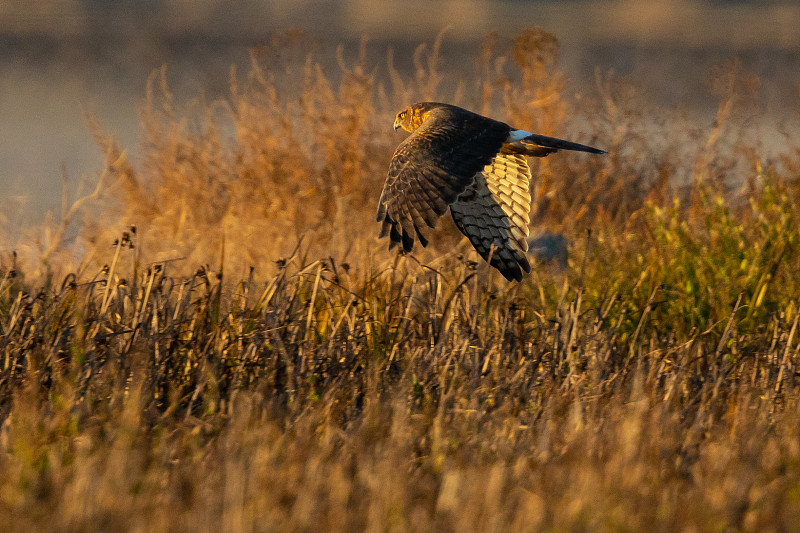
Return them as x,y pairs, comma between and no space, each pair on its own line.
473,165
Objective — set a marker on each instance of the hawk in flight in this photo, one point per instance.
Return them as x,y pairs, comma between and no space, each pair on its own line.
475,167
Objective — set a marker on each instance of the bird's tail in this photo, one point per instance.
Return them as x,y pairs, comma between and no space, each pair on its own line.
536,145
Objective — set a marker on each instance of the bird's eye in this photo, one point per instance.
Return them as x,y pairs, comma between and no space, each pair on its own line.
402,115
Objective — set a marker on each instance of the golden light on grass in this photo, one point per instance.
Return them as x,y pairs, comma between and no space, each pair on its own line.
151,380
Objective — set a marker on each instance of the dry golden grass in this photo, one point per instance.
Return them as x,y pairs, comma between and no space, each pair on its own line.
161,384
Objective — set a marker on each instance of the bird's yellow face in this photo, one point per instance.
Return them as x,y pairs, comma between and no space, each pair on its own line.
410,118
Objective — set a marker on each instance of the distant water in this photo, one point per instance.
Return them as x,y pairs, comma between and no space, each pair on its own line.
45,90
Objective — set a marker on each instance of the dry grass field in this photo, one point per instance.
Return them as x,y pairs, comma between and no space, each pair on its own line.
211,337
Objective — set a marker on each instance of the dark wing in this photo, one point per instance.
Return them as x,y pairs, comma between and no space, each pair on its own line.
432,167
494,214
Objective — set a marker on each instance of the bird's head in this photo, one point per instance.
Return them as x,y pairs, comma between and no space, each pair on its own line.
413,116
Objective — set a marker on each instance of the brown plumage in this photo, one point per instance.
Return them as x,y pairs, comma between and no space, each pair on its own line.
472,165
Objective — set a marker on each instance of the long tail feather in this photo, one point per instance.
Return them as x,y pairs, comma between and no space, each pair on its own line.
559,144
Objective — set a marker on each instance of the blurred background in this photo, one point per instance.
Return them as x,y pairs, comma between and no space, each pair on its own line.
60,58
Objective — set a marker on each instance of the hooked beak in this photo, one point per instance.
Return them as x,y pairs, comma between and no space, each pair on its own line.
396,124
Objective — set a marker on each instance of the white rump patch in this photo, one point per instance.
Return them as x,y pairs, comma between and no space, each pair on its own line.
518,135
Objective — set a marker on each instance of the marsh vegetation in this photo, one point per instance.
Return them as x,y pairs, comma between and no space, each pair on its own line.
212,337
